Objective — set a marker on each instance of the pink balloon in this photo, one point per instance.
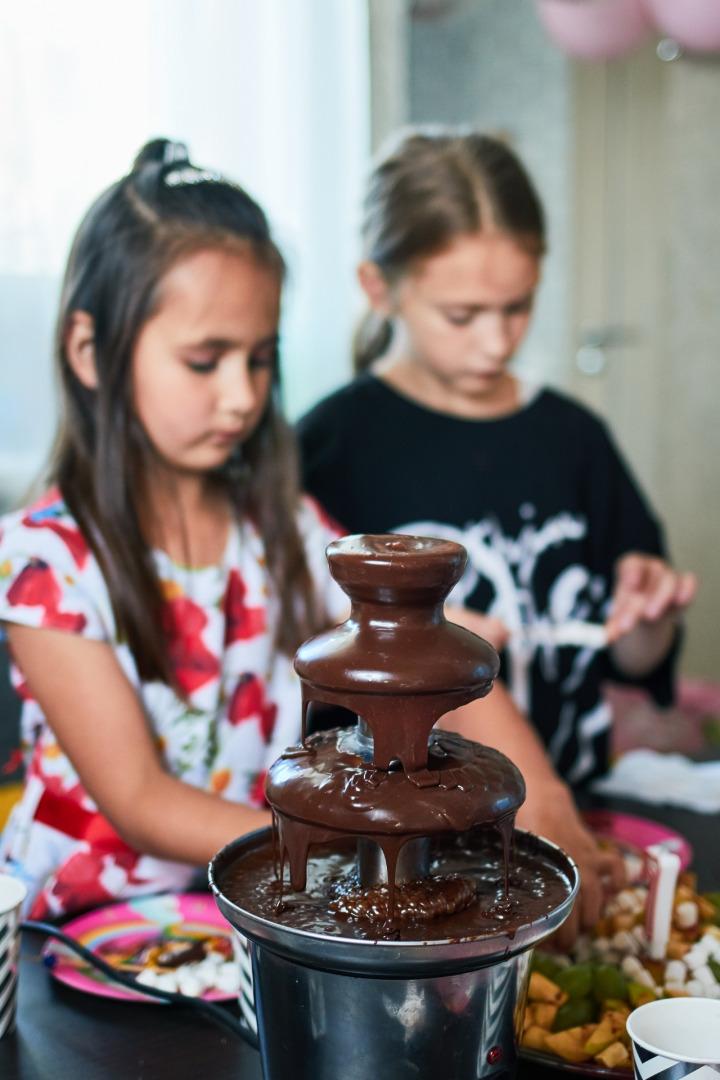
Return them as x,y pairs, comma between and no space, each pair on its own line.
596,29
695,24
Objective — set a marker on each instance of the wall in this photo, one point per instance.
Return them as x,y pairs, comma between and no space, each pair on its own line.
691,323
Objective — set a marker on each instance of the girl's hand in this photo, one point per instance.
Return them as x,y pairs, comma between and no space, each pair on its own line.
488,627
602,872
649,595
646,590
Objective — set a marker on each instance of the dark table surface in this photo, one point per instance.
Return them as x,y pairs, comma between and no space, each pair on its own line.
63,1034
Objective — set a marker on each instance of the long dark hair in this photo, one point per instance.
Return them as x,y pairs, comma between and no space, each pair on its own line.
426,190
163,209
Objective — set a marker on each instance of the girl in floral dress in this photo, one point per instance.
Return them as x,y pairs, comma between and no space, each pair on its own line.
155,594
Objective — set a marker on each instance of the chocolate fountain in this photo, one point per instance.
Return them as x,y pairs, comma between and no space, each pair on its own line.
392,910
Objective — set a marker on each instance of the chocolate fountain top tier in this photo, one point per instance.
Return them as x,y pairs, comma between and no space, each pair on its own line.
396,569
397,641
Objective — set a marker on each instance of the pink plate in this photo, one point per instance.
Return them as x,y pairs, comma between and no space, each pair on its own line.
130,924
637,833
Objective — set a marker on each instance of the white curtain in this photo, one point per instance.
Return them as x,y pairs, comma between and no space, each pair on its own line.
274,94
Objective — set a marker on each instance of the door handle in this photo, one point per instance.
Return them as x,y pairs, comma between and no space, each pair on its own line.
594,341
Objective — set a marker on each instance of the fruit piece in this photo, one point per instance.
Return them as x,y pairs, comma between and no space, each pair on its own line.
570,1044
607,1031
623,920
603,927
534,1037
542,989
544,1014
576,981
714,899
656,969
687,883
619,1007
614,1055
639,994
707,910
545,964
676,948
540,1014
576,1012
608,982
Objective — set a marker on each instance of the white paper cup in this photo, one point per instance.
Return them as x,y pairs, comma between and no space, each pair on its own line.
12,894
246,996
676,1037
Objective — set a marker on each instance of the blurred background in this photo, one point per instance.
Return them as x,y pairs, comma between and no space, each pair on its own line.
291,98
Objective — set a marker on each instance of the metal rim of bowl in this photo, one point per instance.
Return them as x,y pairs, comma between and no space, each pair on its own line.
391,959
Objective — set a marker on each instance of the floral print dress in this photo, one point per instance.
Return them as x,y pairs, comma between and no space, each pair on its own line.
244,696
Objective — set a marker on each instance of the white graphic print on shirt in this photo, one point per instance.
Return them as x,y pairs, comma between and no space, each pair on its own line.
509,564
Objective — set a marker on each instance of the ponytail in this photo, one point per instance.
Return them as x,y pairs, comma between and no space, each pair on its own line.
371,340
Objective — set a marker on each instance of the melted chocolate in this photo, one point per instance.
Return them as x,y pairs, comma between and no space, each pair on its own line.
537,886
331,791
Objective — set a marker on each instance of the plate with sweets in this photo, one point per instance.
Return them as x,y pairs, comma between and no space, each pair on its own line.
577,1004
177,942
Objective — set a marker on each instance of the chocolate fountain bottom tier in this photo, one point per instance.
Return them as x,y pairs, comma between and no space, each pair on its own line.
543,884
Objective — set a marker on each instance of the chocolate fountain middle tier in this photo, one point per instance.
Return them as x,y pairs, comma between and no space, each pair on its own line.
329,791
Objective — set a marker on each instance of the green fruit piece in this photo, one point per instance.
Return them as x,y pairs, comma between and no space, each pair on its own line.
639,994
616,1004
546,965
574,1012
714,898
608,982
577,981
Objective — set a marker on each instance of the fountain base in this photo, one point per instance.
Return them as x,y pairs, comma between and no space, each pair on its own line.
331,1004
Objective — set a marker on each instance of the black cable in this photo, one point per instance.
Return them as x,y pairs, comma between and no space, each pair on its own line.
208,1008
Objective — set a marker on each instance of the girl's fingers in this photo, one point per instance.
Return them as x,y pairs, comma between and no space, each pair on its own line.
599,874
646,589
631,573
662,598
627,612
611,869
686,589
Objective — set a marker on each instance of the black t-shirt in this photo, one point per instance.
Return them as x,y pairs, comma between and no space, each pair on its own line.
544,505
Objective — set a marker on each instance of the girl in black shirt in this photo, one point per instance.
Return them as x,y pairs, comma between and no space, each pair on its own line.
437,436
